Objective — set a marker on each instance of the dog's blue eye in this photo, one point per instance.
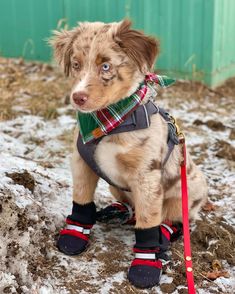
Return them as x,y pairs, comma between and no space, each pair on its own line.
105,67
75,65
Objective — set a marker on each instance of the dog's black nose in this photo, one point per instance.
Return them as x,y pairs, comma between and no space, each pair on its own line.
80,98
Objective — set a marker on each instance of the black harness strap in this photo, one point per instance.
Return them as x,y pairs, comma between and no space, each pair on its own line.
139,119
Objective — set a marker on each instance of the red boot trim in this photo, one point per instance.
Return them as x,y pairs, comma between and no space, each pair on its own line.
170,224
71,222
120,206
155,263
131,221
137,250
74,233
165,232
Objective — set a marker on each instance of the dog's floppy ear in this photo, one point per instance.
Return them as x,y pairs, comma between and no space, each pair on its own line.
62,45
140,48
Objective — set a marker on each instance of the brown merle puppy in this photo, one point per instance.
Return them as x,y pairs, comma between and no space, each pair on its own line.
107,63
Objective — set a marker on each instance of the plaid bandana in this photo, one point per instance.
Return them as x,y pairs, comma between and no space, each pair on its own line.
99,123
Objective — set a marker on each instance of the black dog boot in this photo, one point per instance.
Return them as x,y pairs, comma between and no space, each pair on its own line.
172,230
151,244
124,213
117,213
74,238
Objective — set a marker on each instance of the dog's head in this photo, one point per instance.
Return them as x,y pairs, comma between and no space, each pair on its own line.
106,61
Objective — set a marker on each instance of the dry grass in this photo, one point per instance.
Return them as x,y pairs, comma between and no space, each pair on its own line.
30,88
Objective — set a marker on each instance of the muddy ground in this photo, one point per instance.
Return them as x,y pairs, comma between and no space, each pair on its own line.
36,124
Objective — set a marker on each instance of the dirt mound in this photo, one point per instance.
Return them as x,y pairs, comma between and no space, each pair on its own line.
225,150
25,179
24,238
211,240
214,236
212,124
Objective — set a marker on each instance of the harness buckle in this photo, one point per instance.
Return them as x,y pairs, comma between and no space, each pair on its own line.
181,138
173,121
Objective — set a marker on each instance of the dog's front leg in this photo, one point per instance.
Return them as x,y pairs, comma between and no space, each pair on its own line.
84,180
151,238
148,200
74,238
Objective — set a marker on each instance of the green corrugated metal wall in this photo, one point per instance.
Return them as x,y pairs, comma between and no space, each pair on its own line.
223,53
197,36
24,25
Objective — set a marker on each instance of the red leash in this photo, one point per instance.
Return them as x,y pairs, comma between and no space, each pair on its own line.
187,247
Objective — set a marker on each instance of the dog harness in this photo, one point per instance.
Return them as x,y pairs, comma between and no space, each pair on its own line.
139,119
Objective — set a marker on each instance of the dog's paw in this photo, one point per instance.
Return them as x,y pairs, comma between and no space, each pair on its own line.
74,239
71,245
116,213
145,273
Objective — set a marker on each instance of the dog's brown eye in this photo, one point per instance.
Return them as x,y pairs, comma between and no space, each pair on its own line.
76,65
105,67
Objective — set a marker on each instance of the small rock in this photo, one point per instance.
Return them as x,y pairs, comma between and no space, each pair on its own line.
183,291
226,150
168,288
212,124
215,125
232,134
